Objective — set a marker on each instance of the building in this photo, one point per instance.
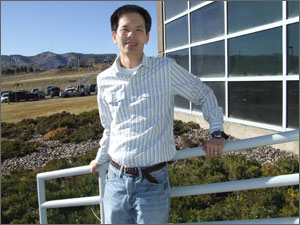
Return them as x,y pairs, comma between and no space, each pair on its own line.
247,52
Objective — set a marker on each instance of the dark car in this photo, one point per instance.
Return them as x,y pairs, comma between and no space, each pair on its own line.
80,86
40,94
54,91
92,88
17,96
48,89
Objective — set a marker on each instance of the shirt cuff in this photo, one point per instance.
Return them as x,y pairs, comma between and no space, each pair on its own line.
215,125
102,157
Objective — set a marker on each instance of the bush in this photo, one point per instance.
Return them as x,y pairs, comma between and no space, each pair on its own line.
180,127
82,127
61,131
19,192
252,204
12,149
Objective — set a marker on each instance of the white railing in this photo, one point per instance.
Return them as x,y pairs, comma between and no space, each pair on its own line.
266,182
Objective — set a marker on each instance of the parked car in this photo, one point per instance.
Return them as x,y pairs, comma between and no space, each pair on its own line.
4,92
80,86
40,94
48,89
54,91
85,90
4,97
72,92
17,96
92,88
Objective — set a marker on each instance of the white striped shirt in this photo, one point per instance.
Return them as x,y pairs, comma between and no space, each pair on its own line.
137,110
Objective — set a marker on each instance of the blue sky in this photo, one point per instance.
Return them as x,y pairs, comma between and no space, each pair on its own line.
32,27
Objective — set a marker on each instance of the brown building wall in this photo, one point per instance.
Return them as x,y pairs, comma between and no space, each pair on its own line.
160,29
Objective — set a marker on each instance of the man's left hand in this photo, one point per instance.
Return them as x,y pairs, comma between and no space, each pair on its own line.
214,147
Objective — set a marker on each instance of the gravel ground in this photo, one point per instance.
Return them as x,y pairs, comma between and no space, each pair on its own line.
195,137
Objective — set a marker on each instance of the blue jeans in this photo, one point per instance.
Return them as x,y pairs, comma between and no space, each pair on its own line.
130,199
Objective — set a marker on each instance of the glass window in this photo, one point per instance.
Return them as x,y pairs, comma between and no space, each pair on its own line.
293,48
293,104
173,8
181,102
195,3
182,58
177,33
256,101
219,90
257,54
209,60
207,22
247,14
293,8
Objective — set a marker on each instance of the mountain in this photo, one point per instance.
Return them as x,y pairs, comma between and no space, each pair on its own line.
47,60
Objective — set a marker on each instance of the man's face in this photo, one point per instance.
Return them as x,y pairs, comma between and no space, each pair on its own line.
131,34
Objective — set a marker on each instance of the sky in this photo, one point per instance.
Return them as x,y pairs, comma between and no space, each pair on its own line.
32,27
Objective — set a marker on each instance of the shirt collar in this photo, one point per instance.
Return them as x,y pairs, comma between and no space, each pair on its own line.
117,67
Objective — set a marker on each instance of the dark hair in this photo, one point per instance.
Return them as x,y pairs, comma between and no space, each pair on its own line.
114,19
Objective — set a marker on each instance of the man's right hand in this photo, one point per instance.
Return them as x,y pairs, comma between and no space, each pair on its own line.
95,166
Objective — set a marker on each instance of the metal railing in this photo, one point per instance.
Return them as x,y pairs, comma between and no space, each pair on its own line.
266,182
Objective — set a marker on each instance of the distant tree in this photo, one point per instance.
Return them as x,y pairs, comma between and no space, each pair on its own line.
31,69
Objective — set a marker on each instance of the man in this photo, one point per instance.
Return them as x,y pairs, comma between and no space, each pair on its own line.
136,107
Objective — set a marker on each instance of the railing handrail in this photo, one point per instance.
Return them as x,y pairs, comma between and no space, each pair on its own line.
221,187
270,139
265,182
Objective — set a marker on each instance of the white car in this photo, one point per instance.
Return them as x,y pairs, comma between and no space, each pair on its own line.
4,97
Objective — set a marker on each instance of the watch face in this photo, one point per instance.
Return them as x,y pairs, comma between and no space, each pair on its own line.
217,134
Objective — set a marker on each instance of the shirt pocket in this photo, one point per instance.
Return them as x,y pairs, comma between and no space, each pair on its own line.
114,100
146,103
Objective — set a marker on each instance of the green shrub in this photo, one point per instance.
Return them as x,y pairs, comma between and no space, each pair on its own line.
82,127
251,204
19,189
11,149
180,127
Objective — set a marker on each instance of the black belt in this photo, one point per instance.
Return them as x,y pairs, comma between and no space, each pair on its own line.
145,171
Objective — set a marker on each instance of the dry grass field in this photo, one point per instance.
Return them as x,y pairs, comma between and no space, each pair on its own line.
15,112
54,77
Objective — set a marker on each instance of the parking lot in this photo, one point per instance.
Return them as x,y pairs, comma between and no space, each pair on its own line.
50,92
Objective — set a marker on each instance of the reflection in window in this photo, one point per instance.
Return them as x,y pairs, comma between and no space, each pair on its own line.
173,8
207,22
256,54
293,104
209,60
219,90
195,3
244,15
293,48
293,8
256,101
182,58
177,33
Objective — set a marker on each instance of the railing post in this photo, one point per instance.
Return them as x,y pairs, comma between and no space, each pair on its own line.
41,200
101,180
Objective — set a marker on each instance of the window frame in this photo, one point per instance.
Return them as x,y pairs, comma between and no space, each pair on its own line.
284,78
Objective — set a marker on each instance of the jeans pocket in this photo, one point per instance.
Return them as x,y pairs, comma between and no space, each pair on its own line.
161,176
111,176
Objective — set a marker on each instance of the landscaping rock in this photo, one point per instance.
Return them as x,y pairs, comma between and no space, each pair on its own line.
194,137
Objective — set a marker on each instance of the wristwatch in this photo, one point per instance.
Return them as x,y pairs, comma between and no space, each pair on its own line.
219,134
